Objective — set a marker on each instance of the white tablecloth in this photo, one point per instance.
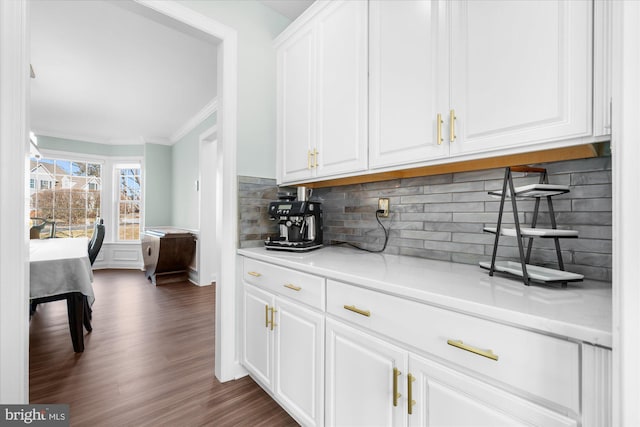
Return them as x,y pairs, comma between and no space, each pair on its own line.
59,266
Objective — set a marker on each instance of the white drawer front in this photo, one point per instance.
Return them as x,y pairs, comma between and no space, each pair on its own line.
296,285
538,364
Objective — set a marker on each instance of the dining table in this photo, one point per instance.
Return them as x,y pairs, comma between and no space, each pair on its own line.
60,270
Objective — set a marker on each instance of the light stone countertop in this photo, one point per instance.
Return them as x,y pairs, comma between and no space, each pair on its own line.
582,311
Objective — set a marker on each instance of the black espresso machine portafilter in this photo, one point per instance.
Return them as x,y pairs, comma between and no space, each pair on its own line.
300,225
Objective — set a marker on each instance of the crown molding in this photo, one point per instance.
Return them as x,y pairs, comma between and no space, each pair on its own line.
74,137
134,140
194,121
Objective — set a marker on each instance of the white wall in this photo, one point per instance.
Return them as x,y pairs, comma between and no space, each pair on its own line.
257,26
185,171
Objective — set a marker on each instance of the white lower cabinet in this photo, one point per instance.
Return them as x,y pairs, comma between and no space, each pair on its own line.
283,350
371,382
338,354
444,397
362,374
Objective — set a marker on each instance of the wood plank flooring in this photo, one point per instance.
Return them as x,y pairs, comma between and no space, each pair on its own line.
148,362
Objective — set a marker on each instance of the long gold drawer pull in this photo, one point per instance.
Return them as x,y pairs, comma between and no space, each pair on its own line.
254,274
410,379
293,287
309,159
273,323
266,316
452,125
396,395
439,127
357,310
485,353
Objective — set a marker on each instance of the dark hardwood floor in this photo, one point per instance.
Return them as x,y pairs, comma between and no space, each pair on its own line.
148,362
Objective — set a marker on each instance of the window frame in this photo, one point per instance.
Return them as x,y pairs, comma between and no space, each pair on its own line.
115,179
109,191
47,184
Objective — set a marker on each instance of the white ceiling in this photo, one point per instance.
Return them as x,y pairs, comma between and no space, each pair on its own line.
289,8
107,72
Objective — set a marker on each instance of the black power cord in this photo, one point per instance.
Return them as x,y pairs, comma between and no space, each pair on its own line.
386,237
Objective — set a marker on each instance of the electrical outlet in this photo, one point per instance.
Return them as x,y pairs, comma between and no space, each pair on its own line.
383,205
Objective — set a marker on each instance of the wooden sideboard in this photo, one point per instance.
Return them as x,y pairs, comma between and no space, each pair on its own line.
167,254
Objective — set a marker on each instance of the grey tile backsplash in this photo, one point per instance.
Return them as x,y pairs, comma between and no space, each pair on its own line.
254,195
442,216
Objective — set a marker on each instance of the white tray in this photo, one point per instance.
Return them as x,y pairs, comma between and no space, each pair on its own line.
534,232
534,272
536,190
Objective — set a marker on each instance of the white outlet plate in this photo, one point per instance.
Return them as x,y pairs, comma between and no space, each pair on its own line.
383,205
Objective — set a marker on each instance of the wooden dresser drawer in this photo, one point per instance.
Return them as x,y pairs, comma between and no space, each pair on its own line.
293,284
544,366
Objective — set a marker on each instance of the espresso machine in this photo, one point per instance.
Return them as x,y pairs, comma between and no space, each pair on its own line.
300,225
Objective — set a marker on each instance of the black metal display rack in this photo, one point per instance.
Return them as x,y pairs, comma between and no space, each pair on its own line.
537,191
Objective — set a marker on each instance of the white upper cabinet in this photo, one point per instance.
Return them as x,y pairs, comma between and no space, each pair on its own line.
463,77
390,84
296,107
322,93
521,72
408,77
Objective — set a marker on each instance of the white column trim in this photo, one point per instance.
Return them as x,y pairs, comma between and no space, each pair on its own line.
625,151
14,240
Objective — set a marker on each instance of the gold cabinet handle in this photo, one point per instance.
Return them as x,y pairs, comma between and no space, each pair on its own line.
293,287
357,310
273,323
439,127
254,274
485,353
309,159
452,125
396,395
410,380
266,316
315,157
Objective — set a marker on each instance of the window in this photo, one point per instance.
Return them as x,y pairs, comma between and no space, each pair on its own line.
129,201
65,194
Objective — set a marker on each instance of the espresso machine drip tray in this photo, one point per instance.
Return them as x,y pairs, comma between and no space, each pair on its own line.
282,245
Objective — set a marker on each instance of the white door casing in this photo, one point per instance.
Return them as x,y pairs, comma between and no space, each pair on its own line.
208,195
14,107
227,366
14,236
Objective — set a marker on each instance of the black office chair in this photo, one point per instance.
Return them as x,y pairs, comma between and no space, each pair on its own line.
96,240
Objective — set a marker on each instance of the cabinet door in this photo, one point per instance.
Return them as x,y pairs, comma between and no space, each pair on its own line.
342,88
520,72
257,341
299,359
408,81
296,105
360,377
444,397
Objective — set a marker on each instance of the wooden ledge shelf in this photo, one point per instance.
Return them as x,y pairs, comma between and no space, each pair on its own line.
583,151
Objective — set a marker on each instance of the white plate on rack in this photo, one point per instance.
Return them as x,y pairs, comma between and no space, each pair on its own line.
534,272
